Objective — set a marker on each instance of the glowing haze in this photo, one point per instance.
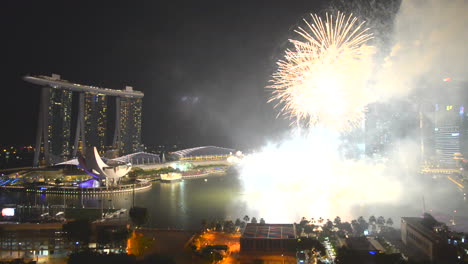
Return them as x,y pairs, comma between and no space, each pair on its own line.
322,80
305,176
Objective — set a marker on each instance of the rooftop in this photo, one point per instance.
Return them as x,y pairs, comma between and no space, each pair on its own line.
269,231
421,225
56,82
359,243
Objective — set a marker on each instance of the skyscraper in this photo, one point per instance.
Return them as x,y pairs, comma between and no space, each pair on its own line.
127,137
54,125
450,133
95,120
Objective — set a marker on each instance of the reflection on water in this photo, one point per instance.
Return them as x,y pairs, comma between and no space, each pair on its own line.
171,205
184,204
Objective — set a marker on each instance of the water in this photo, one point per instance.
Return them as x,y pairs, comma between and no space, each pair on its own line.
170,205
184,204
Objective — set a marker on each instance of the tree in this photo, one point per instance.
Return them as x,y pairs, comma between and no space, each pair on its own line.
238,222
329,225
246,218
310,244
364,225
134,173
308,230
218,226
389,222
372,220
381,221
346,226
262,221
337,220
304,222
357,227
229,226
254,220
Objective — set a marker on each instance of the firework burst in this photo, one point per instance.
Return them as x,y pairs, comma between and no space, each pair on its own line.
322,79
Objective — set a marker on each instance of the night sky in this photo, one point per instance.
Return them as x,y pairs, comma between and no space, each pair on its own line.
202,65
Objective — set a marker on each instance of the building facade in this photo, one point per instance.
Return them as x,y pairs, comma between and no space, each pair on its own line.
53,138
268,244
450,133
424,236
130,125
95,120
54,126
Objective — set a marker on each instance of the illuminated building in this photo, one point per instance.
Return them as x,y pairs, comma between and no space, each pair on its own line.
127,136
110,171
450,133
95,120
54,126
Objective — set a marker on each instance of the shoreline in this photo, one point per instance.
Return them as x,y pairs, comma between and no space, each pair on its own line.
77,190
101,190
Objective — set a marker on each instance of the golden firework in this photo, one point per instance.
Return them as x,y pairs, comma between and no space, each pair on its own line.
323,78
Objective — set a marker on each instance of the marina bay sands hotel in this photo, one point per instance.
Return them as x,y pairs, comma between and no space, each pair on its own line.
53,139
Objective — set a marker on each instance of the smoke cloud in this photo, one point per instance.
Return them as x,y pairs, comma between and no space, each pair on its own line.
429,44
308,176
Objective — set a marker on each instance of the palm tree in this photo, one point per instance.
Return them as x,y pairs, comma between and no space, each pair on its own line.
362,222
389,222
381,221
246,218
337,220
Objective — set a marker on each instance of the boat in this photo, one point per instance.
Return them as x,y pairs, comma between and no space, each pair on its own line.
171,177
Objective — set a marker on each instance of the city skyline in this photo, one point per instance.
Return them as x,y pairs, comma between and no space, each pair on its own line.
196,92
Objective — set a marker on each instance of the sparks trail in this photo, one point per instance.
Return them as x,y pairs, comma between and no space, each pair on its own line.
322,79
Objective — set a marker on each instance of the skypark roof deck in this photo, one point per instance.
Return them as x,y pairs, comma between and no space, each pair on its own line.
56,82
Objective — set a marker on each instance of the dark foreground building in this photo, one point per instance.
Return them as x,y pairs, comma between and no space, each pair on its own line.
269,243
426,237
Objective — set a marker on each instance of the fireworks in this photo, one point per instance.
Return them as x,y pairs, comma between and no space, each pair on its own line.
322,80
